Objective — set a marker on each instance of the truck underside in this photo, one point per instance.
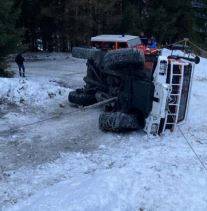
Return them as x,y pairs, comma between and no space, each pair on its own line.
152,91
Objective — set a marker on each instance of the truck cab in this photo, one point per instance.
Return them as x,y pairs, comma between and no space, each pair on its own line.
114,42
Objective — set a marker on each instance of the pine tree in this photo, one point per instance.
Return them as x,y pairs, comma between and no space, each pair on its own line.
29,19
9,35
169,21
200,23
133,16
62,23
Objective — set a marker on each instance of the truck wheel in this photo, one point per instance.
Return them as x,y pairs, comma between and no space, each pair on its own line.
79,97
124,58
118,122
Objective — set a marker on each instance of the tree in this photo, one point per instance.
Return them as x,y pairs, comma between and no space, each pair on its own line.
63,23
169,21
133,16
84,19
29,20
9,35
200,22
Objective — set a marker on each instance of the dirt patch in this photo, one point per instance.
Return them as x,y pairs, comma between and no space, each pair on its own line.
6,107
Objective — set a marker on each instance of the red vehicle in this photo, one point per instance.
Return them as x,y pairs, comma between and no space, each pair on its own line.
114,42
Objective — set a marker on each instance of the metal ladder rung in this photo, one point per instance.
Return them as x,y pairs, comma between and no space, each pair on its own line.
173,104
170,123
174,114
177,74
174,94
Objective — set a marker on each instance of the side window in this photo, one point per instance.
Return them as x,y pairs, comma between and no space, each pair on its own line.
122,45
108,45
134,42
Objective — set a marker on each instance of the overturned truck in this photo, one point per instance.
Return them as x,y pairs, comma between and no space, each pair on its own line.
151,91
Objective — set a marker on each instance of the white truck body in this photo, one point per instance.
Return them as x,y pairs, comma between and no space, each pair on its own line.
173,82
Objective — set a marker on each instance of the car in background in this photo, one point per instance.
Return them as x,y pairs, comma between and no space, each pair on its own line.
114,42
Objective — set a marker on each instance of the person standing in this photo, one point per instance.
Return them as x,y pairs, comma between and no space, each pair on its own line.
20,62
143,39
152,43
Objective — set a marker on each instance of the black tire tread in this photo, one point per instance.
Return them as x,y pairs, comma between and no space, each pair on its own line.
118,122
81,98
123,58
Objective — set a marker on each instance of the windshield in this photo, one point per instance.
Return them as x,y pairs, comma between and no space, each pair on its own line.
134,42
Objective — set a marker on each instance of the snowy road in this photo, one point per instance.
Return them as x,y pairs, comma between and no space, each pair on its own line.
67,163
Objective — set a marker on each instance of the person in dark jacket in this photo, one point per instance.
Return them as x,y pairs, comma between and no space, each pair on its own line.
143,39
20,62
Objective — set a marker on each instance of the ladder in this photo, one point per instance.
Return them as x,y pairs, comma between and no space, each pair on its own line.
172,114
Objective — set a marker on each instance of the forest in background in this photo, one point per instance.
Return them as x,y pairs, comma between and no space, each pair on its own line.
61,24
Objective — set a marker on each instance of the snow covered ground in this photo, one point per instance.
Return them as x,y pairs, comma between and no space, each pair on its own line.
67,163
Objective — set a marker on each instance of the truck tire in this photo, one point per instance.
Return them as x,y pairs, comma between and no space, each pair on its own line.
79,97
118,122
124,59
